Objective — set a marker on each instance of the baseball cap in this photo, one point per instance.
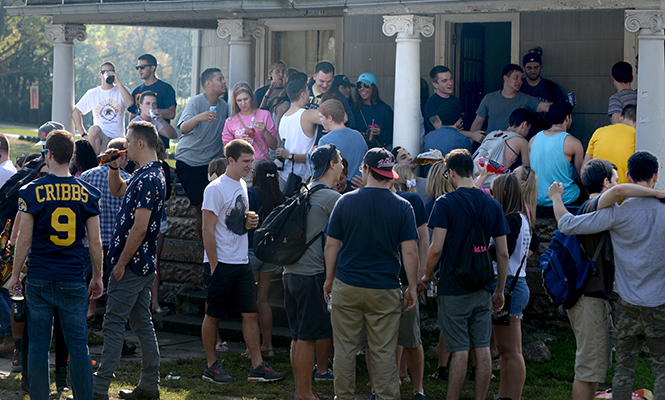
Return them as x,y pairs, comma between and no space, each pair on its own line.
367,78
532,57
341,80
320,158
381,161
45,129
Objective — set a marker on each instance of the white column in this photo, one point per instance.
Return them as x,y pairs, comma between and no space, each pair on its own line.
406,127
63,36
650,83
240,48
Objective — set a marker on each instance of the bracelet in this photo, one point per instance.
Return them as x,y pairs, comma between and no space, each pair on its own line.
113,168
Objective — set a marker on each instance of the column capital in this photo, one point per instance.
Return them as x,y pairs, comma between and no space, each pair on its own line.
65,32
408,25
644,19
240,28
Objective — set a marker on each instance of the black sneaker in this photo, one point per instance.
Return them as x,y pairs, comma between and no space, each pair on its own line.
128,348
16,361
263,373
216,374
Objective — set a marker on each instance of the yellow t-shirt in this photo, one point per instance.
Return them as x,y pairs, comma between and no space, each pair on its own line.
614,143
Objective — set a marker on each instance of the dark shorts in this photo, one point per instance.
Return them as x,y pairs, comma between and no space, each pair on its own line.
230,289
306,309
193,180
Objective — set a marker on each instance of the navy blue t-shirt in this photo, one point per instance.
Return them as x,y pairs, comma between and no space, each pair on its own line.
165,96
451,212
421,219
371,223
60,207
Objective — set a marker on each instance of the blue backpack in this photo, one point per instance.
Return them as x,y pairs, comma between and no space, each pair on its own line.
565,267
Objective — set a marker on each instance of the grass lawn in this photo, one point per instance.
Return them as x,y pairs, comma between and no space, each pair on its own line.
19,129
552,381
18,147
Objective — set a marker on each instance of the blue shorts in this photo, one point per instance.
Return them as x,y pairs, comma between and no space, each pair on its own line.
520,297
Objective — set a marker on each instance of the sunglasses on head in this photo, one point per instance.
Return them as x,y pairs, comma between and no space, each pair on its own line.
361,85
143,66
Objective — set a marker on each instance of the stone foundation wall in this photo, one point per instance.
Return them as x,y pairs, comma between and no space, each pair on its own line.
182,258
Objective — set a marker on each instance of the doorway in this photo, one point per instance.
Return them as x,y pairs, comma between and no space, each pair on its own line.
480,52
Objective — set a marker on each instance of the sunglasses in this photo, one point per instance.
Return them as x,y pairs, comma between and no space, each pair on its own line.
445,173
107,70
44,152
143,66
361,85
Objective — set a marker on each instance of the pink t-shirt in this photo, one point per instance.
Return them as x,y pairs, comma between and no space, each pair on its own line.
233,129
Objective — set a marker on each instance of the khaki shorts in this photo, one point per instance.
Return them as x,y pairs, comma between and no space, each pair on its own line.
591,321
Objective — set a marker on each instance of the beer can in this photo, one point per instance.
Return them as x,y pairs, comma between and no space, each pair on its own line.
431,289
152,113
213,108
248,225
329,302
571,98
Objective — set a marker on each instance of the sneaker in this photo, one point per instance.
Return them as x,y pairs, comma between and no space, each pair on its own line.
16,361
263,373
128,348
216,374
441,374
419,396
61,379
326,376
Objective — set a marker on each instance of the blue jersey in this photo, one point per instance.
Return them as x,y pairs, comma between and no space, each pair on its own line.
60,207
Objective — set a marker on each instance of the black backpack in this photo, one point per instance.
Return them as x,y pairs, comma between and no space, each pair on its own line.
282,239
9,191
473,268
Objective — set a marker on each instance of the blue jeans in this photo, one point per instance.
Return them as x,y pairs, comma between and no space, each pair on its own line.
71,301
5,312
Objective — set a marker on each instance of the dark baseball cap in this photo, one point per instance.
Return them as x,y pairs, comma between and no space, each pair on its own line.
381,161
45,129
341,80
532,57
320,158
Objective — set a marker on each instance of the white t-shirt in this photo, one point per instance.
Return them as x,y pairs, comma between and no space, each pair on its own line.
108,110
7,169
227,198
158,125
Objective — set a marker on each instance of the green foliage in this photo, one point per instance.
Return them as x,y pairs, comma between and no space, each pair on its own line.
122,46
25,58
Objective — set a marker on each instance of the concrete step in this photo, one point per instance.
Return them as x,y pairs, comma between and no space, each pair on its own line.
230,329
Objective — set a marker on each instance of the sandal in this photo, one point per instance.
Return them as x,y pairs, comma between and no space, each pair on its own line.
245,354
270,353
222,348
89,316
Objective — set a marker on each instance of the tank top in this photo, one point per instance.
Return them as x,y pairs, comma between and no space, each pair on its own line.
551,165
521,248
296,143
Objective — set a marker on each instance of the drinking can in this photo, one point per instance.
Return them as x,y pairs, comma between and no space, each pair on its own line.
431,289
571,98
329,302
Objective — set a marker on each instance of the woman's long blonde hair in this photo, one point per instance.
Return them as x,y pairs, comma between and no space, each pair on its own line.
239,89
405,173
529,184
437,184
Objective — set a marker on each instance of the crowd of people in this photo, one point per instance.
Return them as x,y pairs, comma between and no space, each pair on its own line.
380,229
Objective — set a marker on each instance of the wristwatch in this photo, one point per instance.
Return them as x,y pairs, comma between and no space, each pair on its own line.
292,157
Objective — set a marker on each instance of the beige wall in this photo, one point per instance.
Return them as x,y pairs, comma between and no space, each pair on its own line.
579,49
367,49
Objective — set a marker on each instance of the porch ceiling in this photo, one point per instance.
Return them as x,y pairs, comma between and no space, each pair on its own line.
203,14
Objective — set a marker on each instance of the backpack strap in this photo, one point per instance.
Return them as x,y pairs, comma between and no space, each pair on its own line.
550,88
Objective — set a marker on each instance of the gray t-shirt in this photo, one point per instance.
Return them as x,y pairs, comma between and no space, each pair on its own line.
322,203
637,228
204,142
497,109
